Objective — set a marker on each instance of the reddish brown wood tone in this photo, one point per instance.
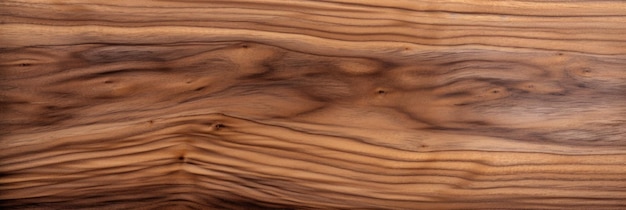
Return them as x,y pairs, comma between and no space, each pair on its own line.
339,104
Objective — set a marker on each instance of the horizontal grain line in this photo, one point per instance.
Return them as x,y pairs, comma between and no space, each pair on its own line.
442,38
330,7
472,13
244,40
481,25
406,161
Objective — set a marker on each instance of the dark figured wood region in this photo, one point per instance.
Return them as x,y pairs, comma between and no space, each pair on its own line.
340,104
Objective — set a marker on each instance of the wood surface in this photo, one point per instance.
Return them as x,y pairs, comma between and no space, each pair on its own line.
338,104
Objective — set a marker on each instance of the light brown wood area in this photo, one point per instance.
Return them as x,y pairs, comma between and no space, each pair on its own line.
339,104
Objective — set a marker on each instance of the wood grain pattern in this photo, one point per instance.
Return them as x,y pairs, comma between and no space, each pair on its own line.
338,104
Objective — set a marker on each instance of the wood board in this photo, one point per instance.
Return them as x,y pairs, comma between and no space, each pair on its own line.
312,104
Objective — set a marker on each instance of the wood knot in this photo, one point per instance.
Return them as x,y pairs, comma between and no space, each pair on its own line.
498,90
218,126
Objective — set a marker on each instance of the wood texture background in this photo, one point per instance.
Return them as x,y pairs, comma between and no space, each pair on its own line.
339,104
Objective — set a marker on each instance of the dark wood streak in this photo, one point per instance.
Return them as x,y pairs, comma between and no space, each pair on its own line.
312,104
